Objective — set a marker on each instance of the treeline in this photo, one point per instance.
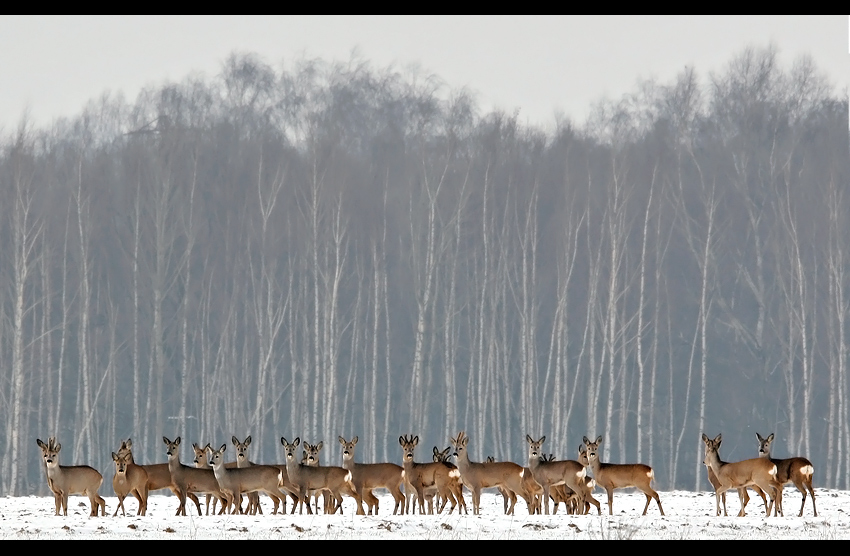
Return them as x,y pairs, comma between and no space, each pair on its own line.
333,249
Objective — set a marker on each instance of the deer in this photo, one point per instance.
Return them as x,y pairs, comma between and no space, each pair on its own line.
188,479
233,482
159,477
588,485
57,497
479,475
798,470
310,457
304,478
620,475
454,483
758,471
243,461
742,494
548,474
129,479
420,476
201,462
65,480
369,476
532,489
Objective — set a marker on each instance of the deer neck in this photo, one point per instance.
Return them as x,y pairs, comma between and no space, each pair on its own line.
463,463
714,462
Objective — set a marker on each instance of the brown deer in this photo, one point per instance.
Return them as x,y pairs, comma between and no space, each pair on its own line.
420,476
742,493
620,475
201,462
797,470
369,476
311,457
57,497
741,474
159,477
532,488
551,473
480,475
588,486
65,480
304,478
188,479
242,460
233,482
129,479
455,484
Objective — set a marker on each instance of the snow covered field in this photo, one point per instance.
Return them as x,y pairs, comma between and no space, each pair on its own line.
689,516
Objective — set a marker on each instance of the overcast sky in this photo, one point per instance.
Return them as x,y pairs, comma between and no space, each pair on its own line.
51,65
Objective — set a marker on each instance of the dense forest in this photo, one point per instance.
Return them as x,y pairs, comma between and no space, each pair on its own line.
329,248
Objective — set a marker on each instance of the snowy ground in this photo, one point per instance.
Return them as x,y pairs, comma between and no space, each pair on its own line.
689,516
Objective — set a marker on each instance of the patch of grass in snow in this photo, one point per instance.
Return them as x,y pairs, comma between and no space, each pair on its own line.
614,529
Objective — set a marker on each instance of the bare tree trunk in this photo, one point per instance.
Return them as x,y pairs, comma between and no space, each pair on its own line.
26,230
83,443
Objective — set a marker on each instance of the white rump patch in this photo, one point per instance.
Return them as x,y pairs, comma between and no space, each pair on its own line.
582,474
773,471
521,473
454,473
650,474
807,470
348,476
402,474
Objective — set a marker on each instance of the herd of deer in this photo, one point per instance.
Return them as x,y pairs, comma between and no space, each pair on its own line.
299,478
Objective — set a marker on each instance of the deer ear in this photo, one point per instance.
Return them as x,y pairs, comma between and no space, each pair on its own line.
114,456
223,448
770,437
585,440
705,438
354,440
599,440
233,439
542,439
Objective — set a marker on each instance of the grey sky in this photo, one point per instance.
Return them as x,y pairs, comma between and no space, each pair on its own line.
52,65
